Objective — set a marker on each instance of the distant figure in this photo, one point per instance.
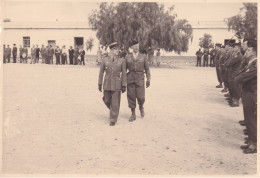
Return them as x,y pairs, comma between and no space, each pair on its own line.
150,55
212,57
20,53
199,55
24,54
76,55
158,57
82,56
206,57
57,55
14,53
64,55
33,55
4,54
8,53
99,54
43,54
71,55
37,54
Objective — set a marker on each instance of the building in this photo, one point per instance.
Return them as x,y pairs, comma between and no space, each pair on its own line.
77,33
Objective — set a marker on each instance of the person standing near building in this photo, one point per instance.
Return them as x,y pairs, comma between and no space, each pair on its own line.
212,57
43,54
14,53
248,79
199,55
217,65
37,54
71,55
20,53
158,57
64,55
25,54
51,53
206,57
114,83
33,55
57,55
8,53
82,55
137,64
76,55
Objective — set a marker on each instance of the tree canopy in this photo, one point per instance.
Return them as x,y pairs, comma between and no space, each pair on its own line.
206,41
147,22
245,23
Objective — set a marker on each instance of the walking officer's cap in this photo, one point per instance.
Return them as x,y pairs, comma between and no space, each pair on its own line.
218,44
113,45
134,43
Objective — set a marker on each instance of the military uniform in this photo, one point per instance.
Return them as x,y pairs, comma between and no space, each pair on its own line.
217,64
199,55
206,57
115,78
14,54
8,54
135,78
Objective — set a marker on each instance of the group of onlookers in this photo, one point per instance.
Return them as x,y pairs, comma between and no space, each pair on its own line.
206,55
236,67
76,56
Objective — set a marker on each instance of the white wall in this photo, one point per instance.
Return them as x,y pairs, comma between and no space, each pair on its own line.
41,37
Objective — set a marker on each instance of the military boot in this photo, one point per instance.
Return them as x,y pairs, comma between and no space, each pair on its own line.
219,86
142,111
224,90
133,116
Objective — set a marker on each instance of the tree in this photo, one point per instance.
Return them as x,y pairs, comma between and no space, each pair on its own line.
245,23
206,41
89,44
147,22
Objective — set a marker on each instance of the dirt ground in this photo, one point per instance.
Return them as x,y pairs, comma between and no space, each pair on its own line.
55,122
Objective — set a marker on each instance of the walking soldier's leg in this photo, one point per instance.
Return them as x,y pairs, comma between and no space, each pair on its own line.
131,95
107,98
115,105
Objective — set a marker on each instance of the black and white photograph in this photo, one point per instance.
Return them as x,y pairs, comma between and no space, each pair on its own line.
136,88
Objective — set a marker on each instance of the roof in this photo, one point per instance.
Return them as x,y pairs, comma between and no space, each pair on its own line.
46,25
208,25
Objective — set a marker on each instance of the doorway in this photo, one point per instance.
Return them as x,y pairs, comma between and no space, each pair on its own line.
78,41
52,43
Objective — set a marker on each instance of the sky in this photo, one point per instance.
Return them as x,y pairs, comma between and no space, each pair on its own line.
79,10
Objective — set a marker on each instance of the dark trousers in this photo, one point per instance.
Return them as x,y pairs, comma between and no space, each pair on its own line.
212,63
198,61
64,59
218,74
76,59
71,60
206,61
8,58
136,91
223,74
14,58
57,58
37,58
112,101
249,100
82,60
4,59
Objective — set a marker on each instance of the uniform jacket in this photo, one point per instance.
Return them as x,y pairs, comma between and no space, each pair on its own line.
248,77
37,51
8,51
115,76
71,52
50,52
137,67
199,54
14,51
234,63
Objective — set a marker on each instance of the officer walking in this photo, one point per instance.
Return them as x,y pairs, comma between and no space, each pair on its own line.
136,64
113,83
14,53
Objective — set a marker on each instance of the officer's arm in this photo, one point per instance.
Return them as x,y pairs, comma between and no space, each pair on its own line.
235,60
101,73
124,78
146,68
247,75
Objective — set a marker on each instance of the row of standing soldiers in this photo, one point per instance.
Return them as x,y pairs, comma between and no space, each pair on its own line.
236,68
206,55
76,55
117,79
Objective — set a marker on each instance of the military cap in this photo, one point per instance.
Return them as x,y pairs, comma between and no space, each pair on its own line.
133,42
113,45
218,44
251,42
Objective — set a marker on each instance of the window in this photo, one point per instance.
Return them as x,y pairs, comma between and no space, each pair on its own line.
26,41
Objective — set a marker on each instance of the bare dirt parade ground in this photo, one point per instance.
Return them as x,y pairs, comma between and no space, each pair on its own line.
55,122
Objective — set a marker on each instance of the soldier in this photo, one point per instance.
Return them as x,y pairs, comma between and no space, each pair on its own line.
8,53
14,53
4,54
64,55
137,64
206,57
71,55
33,54
212,57
158,57
50,54
248,79
43,54
76,55
218,53
24,54
234,65
82,55
57,55
113,83
37,54
199,55
20,53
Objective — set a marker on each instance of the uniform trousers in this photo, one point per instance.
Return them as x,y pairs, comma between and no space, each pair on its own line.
112,101
14,58
249,100
218,73
198,61
57,58
136,91
206,61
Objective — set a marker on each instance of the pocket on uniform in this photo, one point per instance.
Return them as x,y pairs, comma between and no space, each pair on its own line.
118,84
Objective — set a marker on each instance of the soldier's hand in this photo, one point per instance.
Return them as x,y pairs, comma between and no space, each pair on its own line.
100,88
147,83
123,89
